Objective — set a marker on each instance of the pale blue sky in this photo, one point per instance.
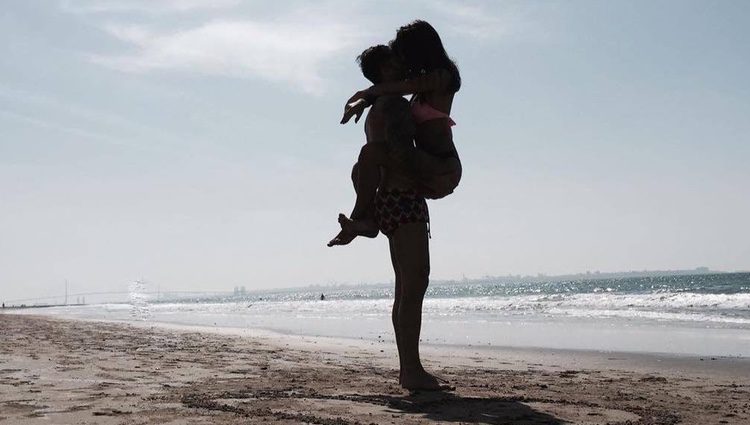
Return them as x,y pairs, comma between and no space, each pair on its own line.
196,143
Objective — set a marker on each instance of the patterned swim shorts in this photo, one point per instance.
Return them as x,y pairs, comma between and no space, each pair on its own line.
396,207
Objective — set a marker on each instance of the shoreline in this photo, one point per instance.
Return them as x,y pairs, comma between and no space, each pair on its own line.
731,366
73,371
576,334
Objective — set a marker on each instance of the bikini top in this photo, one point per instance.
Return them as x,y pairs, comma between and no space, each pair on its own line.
423,111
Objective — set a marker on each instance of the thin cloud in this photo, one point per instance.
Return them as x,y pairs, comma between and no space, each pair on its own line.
291,51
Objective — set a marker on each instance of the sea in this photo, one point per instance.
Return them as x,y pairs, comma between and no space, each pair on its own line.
695,315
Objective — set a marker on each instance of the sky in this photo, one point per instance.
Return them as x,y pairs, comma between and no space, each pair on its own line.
195,144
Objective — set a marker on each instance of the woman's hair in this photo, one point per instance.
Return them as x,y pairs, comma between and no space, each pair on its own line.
419,46
372,59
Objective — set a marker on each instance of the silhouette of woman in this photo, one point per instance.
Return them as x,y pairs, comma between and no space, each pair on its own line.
434,169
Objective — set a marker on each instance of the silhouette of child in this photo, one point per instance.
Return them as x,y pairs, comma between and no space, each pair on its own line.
388,124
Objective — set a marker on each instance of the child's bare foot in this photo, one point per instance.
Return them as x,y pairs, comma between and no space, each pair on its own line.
366,228
343,238
420,380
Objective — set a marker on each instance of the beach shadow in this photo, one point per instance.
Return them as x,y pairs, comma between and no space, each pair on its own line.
449,407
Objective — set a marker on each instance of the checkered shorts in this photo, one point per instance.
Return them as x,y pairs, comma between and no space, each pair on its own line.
396,207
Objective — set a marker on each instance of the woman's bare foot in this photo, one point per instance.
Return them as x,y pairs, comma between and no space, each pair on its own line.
420,380
366,228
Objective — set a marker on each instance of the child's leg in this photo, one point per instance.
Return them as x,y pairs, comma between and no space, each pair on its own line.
370,213
361,222
371,157
364,226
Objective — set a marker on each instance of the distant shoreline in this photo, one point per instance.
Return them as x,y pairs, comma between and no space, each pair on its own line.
24,306
539,278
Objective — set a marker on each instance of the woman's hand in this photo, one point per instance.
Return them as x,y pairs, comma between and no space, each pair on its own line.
354,109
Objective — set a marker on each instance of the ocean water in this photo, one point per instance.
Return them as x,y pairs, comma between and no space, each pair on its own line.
707,314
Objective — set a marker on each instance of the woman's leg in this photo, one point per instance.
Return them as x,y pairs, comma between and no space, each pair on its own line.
396,304
427,164
438,177
411,249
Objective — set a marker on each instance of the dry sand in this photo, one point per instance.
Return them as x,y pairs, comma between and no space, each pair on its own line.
56,371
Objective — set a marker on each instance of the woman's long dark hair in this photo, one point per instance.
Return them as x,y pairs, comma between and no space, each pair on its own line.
419,46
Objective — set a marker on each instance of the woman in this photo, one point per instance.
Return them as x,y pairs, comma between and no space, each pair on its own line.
433,169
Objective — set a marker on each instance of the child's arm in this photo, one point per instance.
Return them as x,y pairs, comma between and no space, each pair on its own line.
434,81
356,108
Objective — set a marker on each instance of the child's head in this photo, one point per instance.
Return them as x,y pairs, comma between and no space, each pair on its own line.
379,64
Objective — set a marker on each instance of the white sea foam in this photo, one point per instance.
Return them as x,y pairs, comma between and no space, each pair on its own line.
664,322
679,307
139,300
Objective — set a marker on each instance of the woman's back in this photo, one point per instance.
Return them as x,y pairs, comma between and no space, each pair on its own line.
434,134
437,160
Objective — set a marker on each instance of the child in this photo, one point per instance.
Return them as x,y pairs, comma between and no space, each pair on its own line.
389,129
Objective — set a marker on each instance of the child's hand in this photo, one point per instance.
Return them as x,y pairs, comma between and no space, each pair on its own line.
354,109
362,94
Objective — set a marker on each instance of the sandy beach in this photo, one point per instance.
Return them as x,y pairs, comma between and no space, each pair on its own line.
85,372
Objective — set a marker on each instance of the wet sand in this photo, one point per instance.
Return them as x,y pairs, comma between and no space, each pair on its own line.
83,372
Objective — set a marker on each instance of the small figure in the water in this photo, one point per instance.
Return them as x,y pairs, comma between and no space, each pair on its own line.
322,297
